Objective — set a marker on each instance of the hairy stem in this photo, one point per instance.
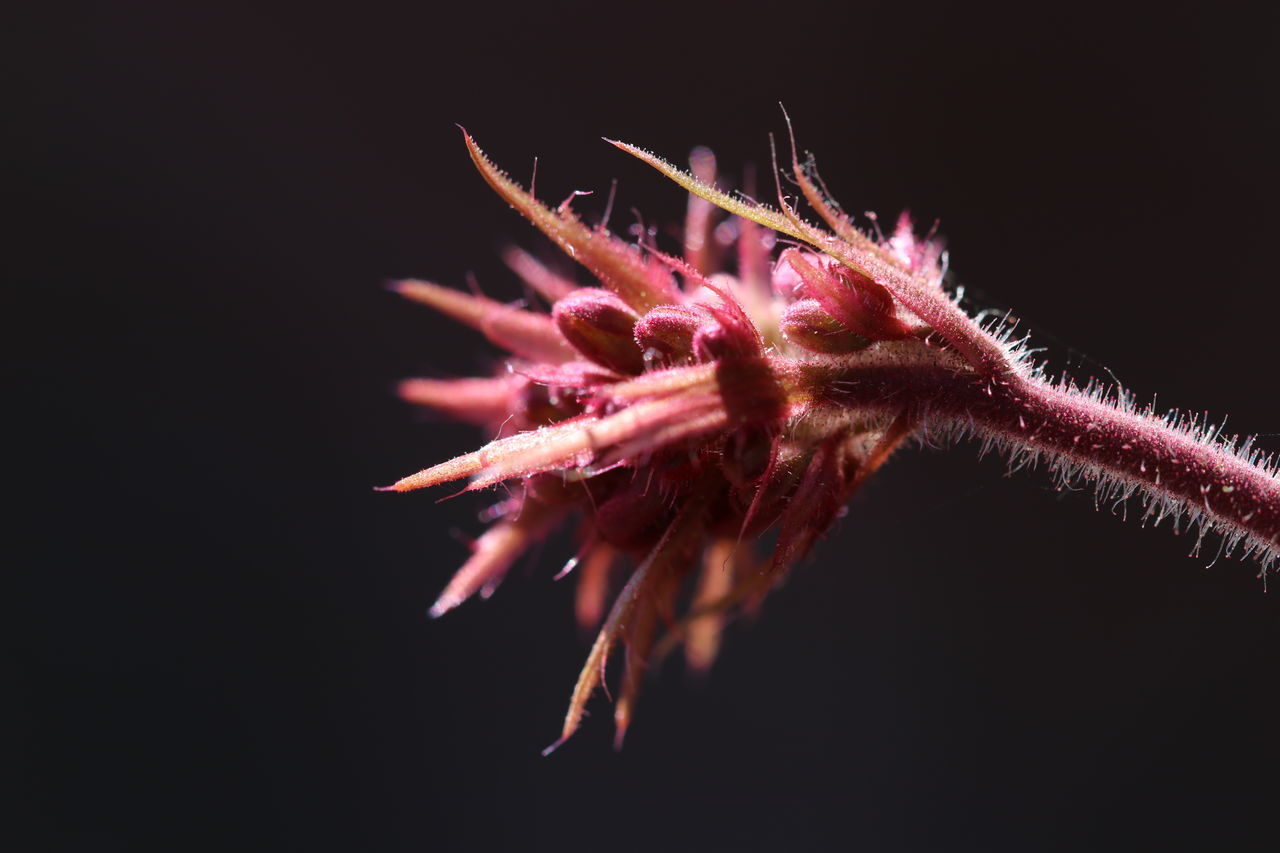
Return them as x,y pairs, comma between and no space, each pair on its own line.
1180,471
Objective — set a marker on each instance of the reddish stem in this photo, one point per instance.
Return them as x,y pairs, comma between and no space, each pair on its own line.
1128,449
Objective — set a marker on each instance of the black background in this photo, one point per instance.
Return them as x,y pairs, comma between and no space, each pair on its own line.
221,633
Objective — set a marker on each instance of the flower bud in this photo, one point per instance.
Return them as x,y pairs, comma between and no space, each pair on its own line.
669,330
786,282
600,325
807,325
859,303
872,302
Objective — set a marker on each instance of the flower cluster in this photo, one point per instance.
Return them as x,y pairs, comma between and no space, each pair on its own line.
676,411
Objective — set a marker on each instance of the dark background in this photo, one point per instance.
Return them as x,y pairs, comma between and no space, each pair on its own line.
221,641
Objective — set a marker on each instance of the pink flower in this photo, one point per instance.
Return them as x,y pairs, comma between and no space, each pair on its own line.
677,411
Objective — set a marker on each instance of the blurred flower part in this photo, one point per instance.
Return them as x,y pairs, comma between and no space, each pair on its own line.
682,406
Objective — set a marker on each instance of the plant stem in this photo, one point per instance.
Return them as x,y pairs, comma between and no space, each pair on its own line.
1181,470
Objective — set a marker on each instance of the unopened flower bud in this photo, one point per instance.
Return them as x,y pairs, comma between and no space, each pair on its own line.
669,330
807,324
860,304
599,325
786,282
871,301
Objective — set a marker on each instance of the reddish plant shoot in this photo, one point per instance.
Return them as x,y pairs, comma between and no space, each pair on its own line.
682,406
